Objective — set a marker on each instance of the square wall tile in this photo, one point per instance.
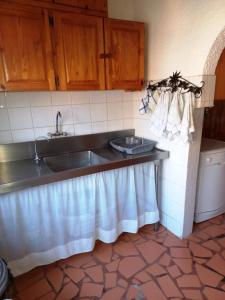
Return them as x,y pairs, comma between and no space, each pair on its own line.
66,112
61,98
20,118
3,100
80,97
81,113
98,127
128,96
4,119
128,123
115,125
84,128
98,112
128,109
43,131
114,111
19,99
98,97
39,98
42,116
114,96
23,135
5,137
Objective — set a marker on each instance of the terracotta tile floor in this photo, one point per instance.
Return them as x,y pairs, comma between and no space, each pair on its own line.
156,265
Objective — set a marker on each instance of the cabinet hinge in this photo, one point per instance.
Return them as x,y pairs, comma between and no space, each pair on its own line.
57,81
51,21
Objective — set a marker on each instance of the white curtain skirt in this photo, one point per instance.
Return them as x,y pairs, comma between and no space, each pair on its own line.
42,224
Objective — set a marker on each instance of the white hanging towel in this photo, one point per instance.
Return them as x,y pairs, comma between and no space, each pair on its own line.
174,117
187,124
159,116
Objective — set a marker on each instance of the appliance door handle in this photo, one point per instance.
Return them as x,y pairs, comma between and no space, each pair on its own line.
220,163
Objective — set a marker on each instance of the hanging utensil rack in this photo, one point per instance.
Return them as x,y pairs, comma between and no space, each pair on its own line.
177,82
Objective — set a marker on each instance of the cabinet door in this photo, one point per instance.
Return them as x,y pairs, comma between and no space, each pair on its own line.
25,51
79,52
99,5
124,47
220,78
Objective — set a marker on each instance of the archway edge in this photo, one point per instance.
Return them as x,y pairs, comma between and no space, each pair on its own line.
214,54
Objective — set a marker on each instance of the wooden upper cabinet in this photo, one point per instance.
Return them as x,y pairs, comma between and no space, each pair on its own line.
124,48
98,5
25,50
220,78
79,51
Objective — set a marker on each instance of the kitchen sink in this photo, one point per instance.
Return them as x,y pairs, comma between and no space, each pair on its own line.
74,160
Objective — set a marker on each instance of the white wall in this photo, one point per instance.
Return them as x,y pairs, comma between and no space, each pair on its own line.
181,33
26,116
179,37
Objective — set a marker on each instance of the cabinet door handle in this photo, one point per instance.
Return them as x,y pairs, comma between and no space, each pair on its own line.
108,55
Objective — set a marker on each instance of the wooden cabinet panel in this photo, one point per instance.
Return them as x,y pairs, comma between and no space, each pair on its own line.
25,51
79,45
220,78
124,46
99,5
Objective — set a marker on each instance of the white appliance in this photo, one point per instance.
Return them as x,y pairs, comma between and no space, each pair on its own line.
210,200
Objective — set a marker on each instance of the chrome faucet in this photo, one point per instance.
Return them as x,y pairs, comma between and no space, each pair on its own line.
36,156
57,131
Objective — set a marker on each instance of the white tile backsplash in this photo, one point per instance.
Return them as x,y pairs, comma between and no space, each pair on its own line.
98,112
4,119
82,113
20,118
42,116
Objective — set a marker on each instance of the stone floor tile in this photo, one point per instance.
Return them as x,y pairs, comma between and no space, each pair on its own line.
151,251
222,242
91,290
212,245
89,265
110,280
103,252
213,294
180,252
131,265
55,277
192,294
49,296
115,293
185,264
217,220
123,283
68,292
113,266
36,290
143,276
28,279
208,277
77,260
174,271
173,241
190,281
200,261
131,293
199,251
202,235
87,279
165,260
156,270
168,286
74,274
152,291
217,263
125,249
213,231
96,273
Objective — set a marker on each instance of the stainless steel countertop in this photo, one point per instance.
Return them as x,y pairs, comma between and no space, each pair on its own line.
25,173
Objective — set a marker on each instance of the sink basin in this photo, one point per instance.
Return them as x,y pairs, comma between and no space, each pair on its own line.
74,160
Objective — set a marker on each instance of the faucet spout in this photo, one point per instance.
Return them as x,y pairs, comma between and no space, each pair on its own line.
36,156
58,115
